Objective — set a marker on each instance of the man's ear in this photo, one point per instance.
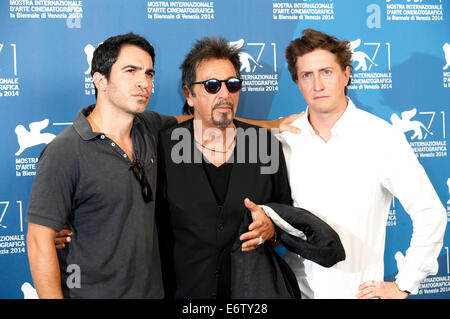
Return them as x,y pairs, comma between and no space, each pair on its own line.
100,81
347,73
188,95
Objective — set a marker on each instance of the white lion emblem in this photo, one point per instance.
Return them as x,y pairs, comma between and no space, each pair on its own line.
244,57
405,124
33,137
446,49
89,51
360,56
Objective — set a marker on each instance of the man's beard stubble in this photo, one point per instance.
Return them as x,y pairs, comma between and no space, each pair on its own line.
225,119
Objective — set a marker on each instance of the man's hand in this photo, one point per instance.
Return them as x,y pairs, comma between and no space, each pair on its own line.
284,123
380,289
261,226
63,237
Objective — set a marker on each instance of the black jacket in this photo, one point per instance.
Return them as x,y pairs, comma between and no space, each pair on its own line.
195,234
200,246
261,273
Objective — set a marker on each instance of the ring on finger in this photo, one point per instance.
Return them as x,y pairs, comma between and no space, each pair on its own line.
261,241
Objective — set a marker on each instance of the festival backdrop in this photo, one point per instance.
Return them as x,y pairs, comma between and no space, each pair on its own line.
401,73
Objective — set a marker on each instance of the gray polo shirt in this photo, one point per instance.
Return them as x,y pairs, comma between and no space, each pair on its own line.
85,180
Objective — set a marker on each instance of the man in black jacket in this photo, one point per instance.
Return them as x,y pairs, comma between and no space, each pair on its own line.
211,168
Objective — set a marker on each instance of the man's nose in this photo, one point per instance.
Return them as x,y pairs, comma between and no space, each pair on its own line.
143,82
223,92
318,83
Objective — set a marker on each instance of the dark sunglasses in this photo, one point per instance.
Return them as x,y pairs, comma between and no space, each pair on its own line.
145,186
213,86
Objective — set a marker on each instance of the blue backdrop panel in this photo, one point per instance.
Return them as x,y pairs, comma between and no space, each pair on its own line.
401,53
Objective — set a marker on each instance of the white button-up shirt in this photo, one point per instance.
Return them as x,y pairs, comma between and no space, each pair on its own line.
349,182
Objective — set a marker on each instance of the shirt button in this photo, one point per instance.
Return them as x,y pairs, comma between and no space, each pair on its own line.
113,144
124,155
102,137
151,160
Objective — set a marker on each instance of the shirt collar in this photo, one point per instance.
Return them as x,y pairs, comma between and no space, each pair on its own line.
83,127
305,126
341,124
344,121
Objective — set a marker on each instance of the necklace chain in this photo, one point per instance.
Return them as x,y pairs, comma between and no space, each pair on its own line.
213,150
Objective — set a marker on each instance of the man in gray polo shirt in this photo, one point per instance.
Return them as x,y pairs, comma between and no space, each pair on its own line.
99,176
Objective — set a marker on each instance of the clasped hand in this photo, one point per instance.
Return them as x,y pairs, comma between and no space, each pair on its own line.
261,226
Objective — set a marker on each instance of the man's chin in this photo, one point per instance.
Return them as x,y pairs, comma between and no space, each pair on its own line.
141,106
222,122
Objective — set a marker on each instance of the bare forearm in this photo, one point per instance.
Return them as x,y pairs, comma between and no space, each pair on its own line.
44,266
282,124
182,118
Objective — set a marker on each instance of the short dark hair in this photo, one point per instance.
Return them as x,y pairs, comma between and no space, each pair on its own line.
206,49
313,40
106,54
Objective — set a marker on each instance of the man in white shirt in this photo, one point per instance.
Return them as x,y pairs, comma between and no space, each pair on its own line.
345,166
